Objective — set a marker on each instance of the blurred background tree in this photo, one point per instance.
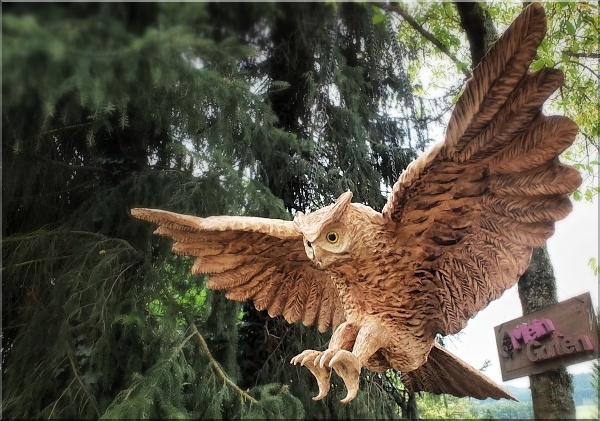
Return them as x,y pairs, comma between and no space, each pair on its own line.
258,109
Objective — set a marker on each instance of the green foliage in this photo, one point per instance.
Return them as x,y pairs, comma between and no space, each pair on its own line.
502,410
149,390
122,115
571,44
445,406
275,403
200,108
593,263
80,300
182,107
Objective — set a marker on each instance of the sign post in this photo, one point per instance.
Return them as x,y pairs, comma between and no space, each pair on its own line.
556,336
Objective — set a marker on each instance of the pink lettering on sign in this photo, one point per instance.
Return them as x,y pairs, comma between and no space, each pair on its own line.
530,332
560,345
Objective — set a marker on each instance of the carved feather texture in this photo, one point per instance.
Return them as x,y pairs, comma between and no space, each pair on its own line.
438,373
456,232
495,78
253,258
498,169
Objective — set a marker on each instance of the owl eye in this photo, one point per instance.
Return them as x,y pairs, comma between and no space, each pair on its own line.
308,243
333,237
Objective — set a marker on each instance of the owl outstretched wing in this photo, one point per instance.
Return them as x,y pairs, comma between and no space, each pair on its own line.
473,207
256,259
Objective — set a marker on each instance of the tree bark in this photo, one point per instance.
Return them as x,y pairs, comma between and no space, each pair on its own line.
479,27
552,391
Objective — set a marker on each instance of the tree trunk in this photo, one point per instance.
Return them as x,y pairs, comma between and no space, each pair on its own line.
552,391
479,27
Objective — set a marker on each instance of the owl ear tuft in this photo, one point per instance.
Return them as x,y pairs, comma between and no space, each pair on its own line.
298,221
340,205
311,225
337,210
344,198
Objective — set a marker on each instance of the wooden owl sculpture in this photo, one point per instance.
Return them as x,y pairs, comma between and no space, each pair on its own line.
457,231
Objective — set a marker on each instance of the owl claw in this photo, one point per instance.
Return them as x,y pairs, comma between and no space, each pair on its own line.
304,356
326,357
322,374
323,391
347,366
307,358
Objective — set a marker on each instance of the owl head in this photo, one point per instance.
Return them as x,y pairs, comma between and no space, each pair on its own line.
333,233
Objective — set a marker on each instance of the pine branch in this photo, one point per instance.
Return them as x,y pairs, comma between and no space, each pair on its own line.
214,363
64,128
102,238
34,261
59,398
65,165
216,366
186,340
90,396
394,7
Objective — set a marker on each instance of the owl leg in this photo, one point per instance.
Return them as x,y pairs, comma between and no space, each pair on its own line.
347,365
315,361
309,359
343,338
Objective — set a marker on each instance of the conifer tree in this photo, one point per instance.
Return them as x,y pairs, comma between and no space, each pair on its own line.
205,109
259,109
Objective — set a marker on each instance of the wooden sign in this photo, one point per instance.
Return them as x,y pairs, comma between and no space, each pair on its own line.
558,335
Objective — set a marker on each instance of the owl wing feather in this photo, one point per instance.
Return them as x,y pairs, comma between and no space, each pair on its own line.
442,367
474,206
253,258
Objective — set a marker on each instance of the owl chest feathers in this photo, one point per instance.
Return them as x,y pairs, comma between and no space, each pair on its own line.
367,284
371,291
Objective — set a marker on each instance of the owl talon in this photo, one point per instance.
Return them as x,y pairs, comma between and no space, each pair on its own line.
322,374
326,357
304,356
307,359
347,366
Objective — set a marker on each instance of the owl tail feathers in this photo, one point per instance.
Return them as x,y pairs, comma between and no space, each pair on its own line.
446,373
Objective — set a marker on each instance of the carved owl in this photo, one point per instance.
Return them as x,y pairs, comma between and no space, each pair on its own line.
457,231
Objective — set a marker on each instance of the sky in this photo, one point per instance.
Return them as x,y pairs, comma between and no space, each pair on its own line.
574,242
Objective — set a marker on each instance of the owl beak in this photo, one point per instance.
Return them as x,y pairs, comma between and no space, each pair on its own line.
316,259
311,253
